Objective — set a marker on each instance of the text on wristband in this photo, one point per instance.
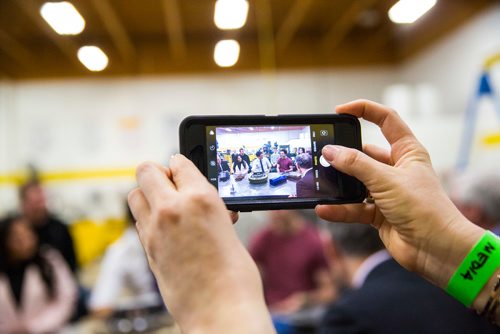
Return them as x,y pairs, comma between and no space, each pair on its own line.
475,265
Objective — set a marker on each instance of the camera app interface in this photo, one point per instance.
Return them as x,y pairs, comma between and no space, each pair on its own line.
270,162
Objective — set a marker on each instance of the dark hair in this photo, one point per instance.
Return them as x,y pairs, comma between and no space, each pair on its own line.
38,260
356,239
301,148
284,151
240,163
304,160
258,154
24,188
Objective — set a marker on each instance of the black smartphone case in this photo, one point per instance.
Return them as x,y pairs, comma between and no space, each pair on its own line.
192,138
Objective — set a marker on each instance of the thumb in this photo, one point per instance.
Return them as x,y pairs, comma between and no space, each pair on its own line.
353,162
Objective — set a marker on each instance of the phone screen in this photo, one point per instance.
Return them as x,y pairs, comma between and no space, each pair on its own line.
270,162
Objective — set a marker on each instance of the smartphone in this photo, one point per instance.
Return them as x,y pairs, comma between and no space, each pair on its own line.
272,162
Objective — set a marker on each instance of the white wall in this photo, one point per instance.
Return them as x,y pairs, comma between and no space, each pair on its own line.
450,72
114,123
78,124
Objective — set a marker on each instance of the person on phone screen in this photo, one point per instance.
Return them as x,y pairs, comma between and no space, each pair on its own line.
240,167
284,163
245,158
222,165
305,186
261,164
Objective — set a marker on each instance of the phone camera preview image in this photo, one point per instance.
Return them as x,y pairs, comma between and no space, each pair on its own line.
271,162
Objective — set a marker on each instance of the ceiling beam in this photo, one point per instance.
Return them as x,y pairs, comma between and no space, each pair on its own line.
14,49
66,45
175,31
264,19
291,23
344,24
116,29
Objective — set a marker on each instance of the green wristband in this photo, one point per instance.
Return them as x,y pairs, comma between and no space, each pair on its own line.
476,269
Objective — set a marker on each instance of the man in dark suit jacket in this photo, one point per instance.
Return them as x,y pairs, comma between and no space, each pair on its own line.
305,186
387,298
222,165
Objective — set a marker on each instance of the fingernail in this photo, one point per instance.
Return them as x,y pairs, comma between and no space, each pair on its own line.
330,152
173,156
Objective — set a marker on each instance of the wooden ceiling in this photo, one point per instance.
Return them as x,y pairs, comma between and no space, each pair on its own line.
147,37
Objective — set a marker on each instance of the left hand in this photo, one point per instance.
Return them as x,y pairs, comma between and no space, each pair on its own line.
205,275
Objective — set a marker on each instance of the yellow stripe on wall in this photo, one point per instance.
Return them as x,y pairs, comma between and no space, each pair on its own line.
492,139
70,175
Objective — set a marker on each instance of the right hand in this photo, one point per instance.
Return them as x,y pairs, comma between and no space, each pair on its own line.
417,222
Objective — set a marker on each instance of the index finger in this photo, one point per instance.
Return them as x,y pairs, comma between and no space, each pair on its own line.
154,183
392,126
185,174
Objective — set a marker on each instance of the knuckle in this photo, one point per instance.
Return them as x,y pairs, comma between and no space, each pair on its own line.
132,195
143,168
168,212
350,157
200,196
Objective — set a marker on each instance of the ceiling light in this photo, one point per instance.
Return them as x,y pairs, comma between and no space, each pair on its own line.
226,52
408,11
63,18
230,14
93,58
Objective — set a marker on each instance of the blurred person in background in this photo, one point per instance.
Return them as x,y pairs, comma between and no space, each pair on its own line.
478,198
50,230
382,297
37,289
291,257
125,281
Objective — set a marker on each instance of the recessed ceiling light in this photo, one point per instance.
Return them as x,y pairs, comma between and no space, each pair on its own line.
408,11
93,58
230,14
63,17
226,52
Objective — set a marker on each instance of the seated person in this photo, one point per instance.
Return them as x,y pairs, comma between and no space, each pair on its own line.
284,163
274,159
124,271
222,165
37,290
305,186
290,255
240,168
261,164
50,230
377,289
